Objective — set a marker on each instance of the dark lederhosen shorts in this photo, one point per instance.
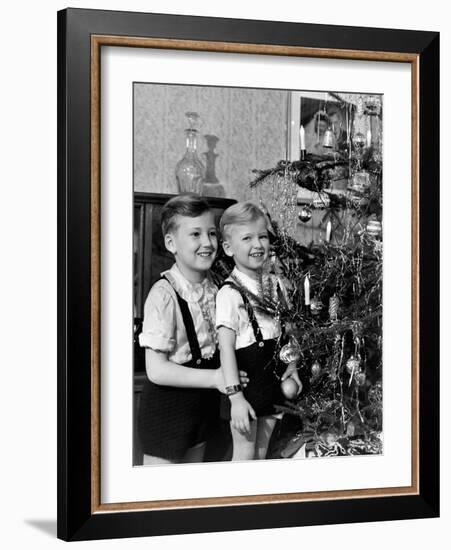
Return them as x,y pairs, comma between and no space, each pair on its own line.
260,361
170,419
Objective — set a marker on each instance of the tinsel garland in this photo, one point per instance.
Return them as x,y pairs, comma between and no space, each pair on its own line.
339,333
316,173
313,173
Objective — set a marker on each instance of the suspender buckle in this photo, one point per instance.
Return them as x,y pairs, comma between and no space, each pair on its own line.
261,344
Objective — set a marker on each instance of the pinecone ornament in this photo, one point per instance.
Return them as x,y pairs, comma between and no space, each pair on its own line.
333,307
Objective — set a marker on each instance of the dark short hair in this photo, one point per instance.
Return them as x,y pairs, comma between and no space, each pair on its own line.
185,204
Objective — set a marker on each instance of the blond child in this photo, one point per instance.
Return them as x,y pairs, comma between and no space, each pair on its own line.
247,337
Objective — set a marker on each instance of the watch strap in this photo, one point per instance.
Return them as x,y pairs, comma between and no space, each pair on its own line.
231,390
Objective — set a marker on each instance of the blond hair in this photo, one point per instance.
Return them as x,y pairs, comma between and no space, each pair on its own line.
239,213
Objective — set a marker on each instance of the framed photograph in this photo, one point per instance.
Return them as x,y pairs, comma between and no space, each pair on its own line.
268,190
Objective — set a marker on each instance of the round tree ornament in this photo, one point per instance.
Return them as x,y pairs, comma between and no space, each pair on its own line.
305,214
290,352
352,364
316,306
290,388
316,369
374,228
360,378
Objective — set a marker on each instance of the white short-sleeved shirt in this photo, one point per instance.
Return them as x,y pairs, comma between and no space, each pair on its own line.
230,312
163,327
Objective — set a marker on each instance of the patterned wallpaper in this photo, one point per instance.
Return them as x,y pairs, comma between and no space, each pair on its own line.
248,127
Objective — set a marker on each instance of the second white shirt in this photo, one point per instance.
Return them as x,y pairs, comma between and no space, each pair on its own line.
230,312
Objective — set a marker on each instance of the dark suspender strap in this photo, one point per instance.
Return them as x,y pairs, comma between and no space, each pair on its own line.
189,326
250,310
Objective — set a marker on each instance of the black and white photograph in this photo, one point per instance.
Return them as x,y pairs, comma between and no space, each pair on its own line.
257,273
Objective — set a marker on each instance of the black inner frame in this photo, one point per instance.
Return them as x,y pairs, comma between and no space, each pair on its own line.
75,520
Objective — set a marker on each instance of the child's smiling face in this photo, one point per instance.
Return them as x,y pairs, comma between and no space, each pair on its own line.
248,244
194,244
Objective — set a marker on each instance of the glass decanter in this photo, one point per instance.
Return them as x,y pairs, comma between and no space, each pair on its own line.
190,172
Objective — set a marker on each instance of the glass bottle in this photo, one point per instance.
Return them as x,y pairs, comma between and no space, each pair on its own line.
190,172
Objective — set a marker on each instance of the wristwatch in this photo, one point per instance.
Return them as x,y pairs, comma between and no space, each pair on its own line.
232,390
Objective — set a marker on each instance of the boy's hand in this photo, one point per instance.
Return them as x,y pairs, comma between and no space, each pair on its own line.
241,413
220,382
244,379
292,371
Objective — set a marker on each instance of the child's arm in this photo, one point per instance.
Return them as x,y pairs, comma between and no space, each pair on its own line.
159,339
163,372
241,409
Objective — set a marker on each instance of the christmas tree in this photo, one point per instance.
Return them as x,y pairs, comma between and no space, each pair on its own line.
335,289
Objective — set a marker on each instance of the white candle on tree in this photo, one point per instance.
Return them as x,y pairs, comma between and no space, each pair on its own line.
328,230
307,290
302,138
